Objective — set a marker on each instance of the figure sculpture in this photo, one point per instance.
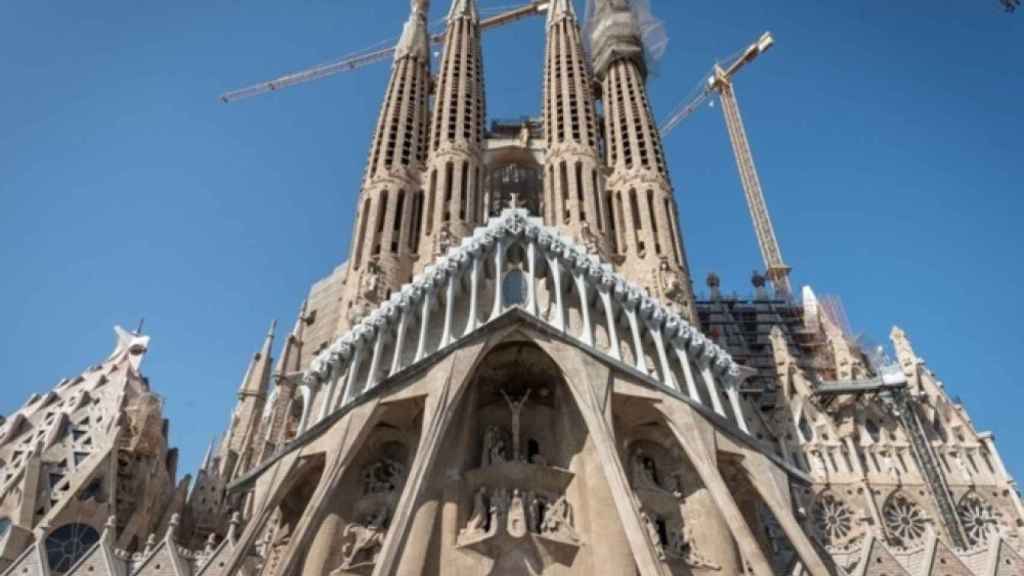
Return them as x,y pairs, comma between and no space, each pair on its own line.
559,520
478,520
367,539
495,449
645,474
516,408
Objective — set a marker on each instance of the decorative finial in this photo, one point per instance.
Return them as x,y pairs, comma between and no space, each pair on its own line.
713,280
233,525
172,526
110,530
150,544
211,543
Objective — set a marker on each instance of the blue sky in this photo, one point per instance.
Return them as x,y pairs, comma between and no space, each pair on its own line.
887,135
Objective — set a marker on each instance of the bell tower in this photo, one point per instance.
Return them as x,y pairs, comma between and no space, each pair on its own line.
574,195
452,183
647,233
386,233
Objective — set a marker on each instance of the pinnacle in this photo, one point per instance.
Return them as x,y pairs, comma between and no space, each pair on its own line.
463,8
560,8
414,35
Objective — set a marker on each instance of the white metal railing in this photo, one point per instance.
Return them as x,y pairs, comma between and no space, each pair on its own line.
571,290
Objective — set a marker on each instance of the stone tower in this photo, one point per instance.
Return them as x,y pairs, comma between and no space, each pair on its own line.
386,233
454,205
574,196
639,187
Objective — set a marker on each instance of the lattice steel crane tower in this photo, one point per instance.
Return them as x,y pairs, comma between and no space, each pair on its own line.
720,82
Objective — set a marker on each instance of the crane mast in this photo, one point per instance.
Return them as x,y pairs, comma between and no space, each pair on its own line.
720,82
776,269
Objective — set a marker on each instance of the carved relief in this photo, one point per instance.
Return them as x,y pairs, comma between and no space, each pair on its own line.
674,543
520,512
384,475
670,283
364,538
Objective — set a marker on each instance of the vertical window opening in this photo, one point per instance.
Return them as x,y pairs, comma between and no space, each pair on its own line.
430,201
596,192
417,221
448,184
464,192
563,184
674,232
654,221
634,208
611,224
580,204
364,215
381,214
396,225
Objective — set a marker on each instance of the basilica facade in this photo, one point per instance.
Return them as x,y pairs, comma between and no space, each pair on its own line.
512,373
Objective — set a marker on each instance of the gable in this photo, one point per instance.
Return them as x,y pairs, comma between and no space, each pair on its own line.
514,263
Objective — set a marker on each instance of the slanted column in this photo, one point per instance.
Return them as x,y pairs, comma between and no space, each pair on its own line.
474,290
499,278
421,346
640,360
555,269
531,285
328,390
691,382
732,390
609,314
334,375
666,368
449,303
711,384
587,334
403,323
378,344
353,371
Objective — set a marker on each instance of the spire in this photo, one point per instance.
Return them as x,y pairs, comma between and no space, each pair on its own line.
559,8
254,383
208,457
291,353
414,41
465,8
615,35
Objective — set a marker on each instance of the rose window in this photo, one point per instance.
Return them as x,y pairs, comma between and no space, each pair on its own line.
66,545
979,519
904,520
833,520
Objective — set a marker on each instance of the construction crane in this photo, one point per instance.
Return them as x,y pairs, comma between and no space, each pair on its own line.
720,83
362,58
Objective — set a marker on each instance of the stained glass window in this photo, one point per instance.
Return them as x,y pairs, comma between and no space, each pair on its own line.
5,525
68,544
